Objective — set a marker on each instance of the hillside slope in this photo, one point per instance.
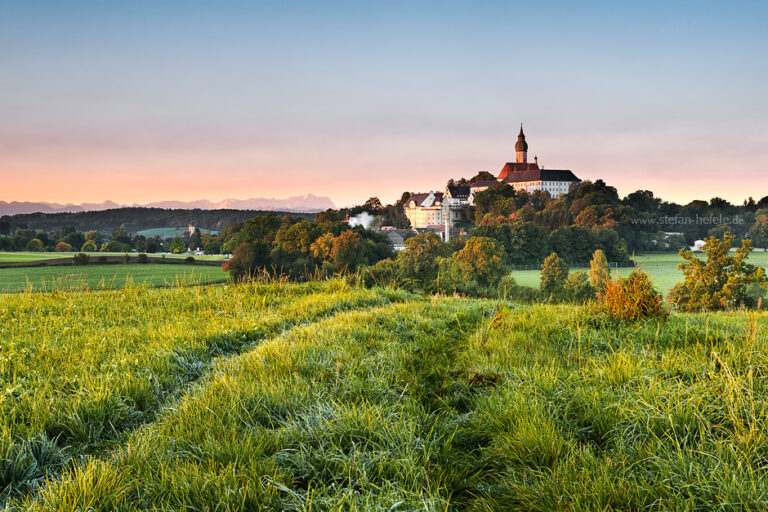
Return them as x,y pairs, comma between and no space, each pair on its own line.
325,397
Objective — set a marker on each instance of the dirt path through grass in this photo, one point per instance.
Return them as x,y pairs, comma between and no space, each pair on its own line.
57,416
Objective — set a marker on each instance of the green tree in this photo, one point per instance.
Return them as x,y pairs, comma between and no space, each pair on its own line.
577,287
599,271
322,248
35,245
298,237
246,259
111,246
212,247
140,243
178,246
575,244
348,252
120,235
758,232
719,282
89,246
482,261
554,272
419,259
194,240
524,242
75,239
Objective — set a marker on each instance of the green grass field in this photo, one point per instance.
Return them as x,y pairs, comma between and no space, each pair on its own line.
38,256
170,232
321,396
94,276
661,267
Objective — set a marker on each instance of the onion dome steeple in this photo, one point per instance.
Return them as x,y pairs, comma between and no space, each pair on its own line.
521,148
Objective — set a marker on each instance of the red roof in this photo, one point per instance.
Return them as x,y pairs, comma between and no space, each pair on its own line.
514,167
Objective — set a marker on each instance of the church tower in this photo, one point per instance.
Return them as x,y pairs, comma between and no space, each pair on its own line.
521,148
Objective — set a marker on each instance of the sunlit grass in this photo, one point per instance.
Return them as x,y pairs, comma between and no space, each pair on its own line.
346,399
95,277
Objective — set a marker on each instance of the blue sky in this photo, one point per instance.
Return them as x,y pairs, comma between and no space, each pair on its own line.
139,100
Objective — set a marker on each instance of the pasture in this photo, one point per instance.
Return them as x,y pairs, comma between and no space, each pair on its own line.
662,267
10,256
95,276
322,396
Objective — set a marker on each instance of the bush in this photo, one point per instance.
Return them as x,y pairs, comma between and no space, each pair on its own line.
63,247
80,259
631,298
474,270
385,274
89,246
142,258
577,288
189,260
35,245
126,258
554,272
720,282
419,259
599,271
508,289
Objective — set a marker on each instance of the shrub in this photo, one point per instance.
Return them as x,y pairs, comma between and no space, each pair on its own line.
508,289
385,274
419,259
142,258
631,298
80,259
554,272
720,282
178,246
189,260
481,260
474,270
599,271
126,258
212,247
577,288
89,246
35,245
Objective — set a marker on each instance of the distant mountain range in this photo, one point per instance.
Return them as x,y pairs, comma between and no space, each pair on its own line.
305,203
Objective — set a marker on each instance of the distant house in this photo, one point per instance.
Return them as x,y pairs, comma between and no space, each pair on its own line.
424,209
396,239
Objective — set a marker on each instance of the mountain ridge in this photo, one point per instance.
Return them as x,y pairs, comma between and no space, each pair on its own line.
302,203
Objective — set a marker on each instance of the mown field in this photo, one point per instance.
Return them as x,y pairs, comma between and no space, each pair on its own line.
661,267
321,396
10,256
94,276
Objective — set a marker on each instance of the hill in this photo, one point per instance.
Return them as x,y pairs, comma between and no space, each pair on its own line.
326,397
139,219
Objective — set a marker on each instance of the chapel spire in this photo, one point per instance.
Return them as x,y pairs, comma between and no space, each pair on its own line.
521,148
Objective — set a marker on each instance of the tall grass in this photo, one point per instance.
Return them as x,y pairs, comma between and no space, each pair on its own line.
79,370
430,404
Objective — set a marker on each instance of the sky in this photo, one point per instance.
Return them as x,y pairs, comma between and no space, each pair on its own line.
144,100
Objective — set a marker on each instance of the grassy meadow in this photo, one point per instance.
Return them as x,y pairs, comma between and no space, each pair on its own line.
10,256
322,396
662,267
95,276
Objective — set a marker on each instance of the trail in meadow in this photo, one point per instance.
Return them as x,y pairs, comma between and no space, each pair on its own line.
454,404
58,417
353,402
